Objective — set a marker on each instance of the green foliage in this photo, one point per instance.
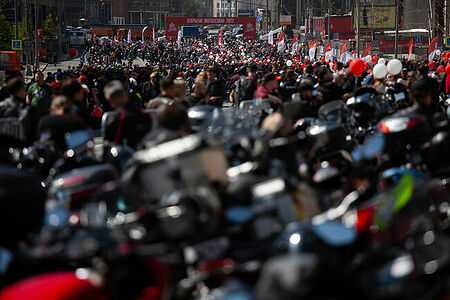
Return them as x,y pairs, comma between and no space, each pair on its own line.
50,25
191,7
23,28
6,34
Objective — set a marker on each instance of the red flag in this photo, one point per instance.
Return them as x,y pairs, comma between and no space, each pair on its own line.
295,38
343,48
410,48
219,37
367,51
328,48
432,48
313,44
94,38
281,37
154,37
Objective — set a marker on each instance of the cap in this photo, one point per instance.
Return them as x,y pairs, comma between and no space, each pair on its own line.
82,78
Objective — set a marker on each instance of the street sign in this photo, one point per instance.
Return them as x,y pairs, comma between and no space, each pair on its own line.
17,44
447,41
418,38
285,20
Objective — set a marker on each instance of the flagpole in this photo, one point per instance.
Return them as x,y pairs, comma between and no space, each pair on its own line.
357,27
430,21
396,29
329,25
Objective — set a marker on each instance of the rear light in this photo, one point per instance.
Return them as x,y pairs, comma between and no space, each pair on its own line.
364,219
72,180
223,265
384,127
398,124
412,123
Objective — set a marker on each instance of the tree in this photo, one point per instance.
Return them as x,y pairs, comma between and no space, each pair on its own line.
50,25
6,34
191,7
23,28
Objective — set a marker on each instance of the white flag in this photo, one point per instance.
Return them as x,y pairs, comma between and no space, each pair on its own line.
431,55
281,46
312,53
294,45
345,57
143,30
270,37
129,36
180,35
294,48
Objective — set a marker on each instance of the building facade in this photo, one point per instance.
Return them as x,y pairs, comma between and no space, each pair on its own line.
224,8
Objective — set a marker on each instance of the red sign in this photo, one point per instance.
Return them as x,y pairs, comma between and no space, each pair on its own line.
173,24
389,46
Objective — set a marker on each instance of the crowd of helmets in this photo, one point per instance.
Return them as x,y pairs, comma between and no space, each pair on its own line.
194,170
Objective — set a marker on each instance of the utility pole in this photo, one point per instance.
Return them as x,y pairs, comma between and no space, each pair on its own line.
36,51
27,44
357,27
15,19
267,16
396,29
430,21
329,22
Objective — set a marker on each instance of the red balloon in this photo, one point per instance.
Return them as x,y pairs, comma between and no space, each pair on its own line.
447,69
374,59
353,51
441,69
448,55
357,66
73,52
366,65
443,54
97,111
322,59
431,65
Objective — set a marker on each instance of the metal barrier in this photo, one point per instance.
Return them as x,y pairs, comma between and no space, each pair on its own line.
12,127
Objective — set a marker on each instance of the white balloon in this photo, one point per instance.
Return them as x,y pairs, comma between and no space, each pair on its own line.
394,67
382,61
289,63
438,53
379,71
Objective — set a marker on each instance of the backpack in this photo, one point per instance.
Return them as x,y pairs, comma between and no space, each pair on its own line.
247,87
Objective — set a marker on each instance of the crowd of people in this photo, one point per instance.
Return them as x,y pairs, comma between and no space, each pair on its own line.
198,72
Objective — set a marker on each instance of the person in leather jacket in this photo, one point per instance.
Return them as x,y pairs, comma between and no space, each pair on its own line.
128,124
15,106
289,85
421,93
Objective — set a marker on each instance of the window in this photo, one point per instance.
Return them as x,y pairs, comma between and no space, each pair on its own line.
218,5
